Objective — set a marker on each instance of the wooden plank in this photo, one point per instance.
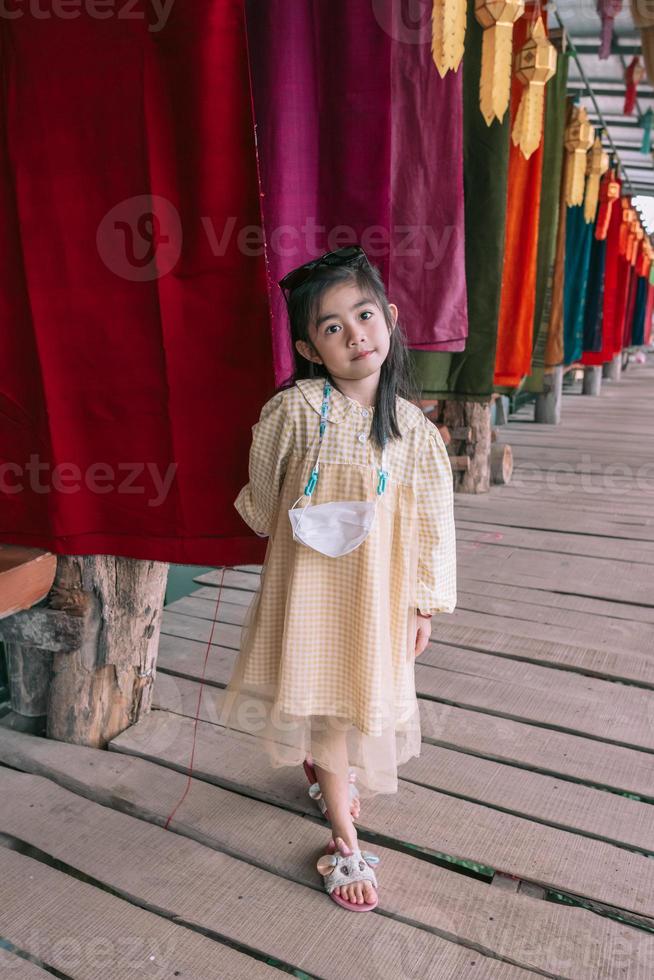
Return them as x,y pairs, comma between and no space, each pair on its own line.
553,939
424,818
240,597
543,611
533,539
211,890
514,638
571,574
560,646
200,629
84,932
230,612
232,578
15,967
26,576
556,753
556,802
563,648
608,712
580,629
596,608
523,691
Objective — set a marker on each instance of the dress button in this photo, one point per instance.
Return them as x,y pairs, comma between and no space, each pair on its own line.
362,437
364,412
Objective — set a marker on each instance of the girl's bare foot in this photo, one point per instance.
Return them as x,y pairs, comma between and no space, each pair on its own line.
359,892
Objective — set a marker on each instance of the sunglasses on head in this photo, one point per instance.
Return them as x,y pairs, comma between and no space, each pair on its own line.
340,256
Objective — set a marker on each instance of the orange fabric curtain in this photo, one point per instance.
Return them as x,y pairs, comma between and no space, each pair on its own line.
515,326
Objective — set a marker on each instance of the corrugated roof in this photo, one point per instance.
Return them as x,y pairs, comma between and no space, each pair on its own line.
606,79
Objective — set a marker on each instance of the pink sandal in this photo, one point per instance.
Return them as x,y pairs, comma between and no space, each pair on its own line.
338,869
314,786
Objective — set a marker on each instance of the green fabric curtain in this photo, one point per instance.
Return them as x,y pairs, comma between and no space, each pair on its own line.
469,374
578,238
555,115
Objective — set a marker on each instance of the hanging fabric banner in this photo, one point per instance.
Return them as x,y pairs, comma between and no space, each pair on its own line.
342,157
592,321
548,218
554,343
578,239
515,327
127,170
469,374
638,324
427,278
610,294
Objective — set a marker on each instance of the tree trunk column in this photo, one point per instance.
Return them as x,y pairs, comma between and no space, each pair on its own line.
475,418
104,685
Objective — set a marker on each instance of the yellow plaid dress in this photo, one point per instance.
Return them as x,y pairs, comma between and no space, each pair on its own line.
329,643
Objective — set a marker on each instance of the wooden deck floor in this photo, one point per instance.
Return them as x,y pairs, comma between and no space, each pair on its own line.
521,841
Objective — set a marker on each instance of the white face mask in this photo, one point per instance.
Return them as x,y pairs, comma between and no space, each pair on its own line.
338,527
334,529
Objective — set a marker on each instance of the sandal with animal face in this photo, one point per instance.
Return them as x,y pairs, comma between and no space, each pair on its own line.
316,793
339,869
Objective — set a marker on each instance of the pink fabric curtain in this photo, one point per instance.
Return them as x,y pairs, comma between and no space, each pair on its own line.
359,139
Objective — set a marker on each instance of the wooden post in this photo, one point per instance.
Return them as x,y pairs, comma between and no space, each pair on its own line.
501,463
592,383
547,408
612,370
105,684
474,418
28,672
26,575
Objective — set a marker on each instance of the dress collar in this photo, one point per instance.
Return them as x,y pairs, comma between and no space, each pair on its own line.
408,414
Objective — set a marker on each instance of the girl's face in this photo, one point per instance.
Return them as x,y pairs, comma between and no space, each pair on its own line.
349,322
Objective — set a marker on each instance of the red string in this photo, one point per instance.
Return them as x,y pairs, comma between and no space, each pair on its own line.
197,713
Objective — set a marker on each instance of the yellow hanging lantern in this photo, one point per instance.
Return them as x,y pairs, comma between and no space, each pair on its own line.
535,63
578,140
597,163
625,225
497,18
448,31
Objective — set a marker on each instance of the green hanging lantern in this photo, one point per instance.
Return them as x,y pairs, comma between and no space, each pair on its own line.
646,122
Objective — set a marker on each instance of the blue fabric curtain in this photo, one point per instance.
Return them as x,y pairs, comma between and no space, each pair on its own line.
578,239
594,296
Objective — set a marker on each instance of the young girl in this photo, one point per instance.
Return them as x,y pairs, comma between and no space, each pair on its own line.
325,673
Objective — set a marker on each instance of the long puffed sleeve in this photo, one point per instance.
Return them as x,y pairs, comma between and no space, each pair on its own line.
272,443
436,590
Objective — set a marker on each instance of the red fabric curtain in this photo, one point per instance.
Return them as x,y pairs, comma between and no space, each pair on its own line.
649,310
136,351
515,326
610,299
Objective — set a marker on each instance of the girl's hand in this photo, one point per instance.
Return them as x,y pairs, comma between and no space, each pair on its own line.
423,633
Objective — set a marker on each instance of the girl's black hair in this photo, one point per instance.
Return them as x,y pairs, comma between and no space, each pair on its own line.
397,375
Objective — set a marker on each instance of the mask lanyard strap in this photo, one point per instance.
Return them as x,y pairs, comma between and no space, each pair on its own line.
324,409
383,474
313,479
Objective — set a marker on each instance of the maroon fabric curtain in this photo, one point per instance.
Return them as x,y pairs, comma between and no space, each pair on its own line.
135,349
359,139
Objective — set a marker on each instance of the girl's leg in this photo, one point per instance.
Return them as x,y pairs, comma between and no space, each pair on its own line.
334,786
